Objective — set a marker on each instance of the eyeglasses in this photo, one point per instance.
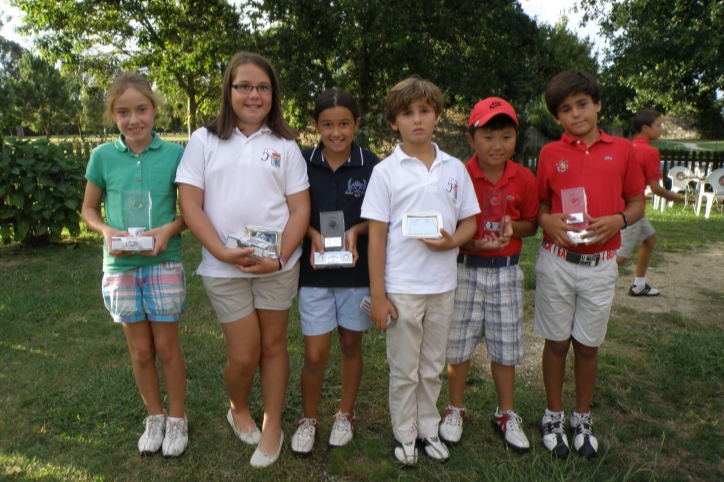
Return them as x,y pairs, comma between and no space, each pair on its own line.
247,88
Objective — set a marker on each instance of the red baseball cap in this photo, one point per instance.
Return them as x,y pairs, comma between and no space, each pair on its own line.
488,108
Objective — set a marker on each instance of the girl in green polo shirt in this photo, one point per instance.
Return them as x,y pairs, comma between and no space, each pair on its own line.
144,285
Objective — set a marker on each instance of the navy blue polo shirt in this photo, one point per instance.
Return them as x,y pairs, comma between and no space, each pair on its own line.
341,190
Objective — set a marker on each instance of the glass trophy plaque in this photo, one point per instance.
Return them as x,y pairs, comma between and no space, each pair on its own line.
421,225
331,226
137,207
573,203
273,236
492,211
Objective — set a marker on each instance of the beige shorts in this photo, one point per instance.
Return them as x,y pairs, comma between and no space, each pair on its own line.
635,233
237,298
573,300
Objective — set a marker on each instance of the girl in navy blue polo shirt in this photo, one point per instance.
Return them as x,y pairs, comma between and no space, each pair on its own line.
339,171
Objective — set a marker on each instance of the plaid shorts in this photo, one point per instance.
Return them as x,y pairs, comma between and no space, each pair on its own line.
154,293
493,298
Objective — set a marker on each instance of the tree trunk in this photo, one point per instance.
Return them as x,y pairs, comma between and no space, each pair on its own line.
192,108
20,131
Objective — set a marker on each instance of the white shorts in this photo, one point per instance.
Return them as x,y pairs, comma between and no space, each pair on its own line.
573,300
635,233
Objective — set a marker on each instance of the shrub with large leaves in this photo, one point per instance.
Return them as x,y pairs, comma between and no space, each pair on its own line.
41,191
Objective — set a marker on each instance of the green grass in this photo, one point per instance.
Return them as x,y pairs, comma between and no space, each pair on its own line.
70,409
678,144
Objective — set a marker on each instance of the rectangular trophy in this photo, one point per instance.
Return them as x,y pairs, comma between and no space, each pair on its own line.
137,212
492,211
574,203
367,305
422,225
273,236
331,225
260,247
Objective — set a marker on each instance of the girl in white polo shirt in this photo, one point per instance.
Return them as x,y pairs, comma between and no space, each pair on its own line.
244,168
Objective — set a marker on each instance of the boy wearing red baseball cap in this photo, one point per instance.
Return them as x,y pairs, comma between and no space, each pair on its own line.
489,291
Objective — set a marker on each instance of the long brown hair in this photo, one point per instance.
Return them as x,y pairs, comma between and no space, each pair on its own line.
224,123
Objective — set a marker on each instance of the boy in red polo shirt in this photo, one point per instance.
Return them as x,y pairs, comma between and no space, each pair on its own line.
647,124
586,174
489,289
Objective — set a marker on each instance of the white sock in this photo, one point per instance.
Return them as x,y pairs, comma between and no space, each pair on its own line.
550,413
639,282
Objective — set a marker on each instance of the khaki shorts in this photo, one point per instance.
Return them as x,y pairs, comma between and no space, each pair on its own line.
573,300
635,233
237,298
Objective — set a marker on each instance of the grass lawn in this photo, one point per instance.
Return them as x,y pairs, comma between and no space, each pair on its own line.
679,144
70,409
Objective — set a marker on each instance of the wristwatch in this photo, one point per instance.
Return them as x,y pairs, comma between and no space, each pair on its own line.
625,220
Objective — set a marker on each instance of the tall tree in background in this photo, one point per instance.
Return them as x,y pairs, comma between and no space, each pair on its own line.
471,49
668,53
184,43
45,99
10,55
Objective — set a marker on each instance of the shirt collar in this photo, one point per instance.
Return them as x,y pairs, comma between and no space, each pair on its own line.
641,140
123,147
603,137
355,159
401,156
262,130
477,173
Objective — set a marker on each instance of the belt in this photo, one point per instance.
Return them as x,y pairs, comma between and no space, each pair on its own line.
489,262
578,258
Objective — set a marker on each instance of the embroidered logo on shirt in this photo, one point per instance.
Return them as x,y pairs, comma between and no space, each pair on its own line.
275,159
608,158
510,197
452,187
562,165
356,188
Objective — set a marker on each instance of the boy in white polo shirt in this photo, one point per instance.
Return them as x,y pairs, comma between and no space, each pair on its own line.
413,279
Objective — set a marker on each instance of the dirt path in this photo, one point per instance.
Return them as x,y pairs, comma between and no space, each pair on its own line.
681,278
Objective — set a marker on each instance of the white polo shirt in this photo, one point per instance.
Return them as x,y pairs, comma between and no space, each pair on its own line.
246,180
401,184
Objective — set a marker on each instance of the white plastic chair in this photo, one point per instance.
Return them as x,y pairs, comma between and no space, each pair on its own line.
716,181
680,177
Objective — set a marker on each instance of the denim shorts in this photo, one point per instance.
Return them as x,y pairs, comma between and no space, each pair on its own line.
153,293
323,309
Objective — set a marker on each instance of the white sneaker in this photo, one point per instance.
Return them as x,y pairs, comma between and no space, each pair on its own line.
177,436
435,449
552,428
303,438
508,426
152,438
451,425
406,453
342,430
585,442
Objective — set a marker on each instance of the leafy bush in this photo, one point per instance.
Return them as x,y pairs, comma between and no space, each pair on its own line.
41,191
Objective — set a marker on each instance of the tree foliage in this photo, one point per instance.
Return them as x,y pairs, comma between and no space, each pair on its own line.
666,54
44,98
182,44
471,49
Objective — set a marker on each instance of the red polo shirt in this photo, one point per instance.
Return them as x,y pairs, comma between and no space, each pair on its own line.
521,204
650,160
608,170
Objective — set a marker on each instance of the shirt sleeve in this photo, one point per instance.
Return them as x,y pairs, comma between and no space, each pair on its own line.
296,170
633,180
377,203
529,203
469,205
193,163
544,192
94,171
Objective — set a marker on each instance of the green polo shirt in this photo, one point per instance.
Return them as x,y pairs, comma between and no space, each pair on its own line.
115,169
